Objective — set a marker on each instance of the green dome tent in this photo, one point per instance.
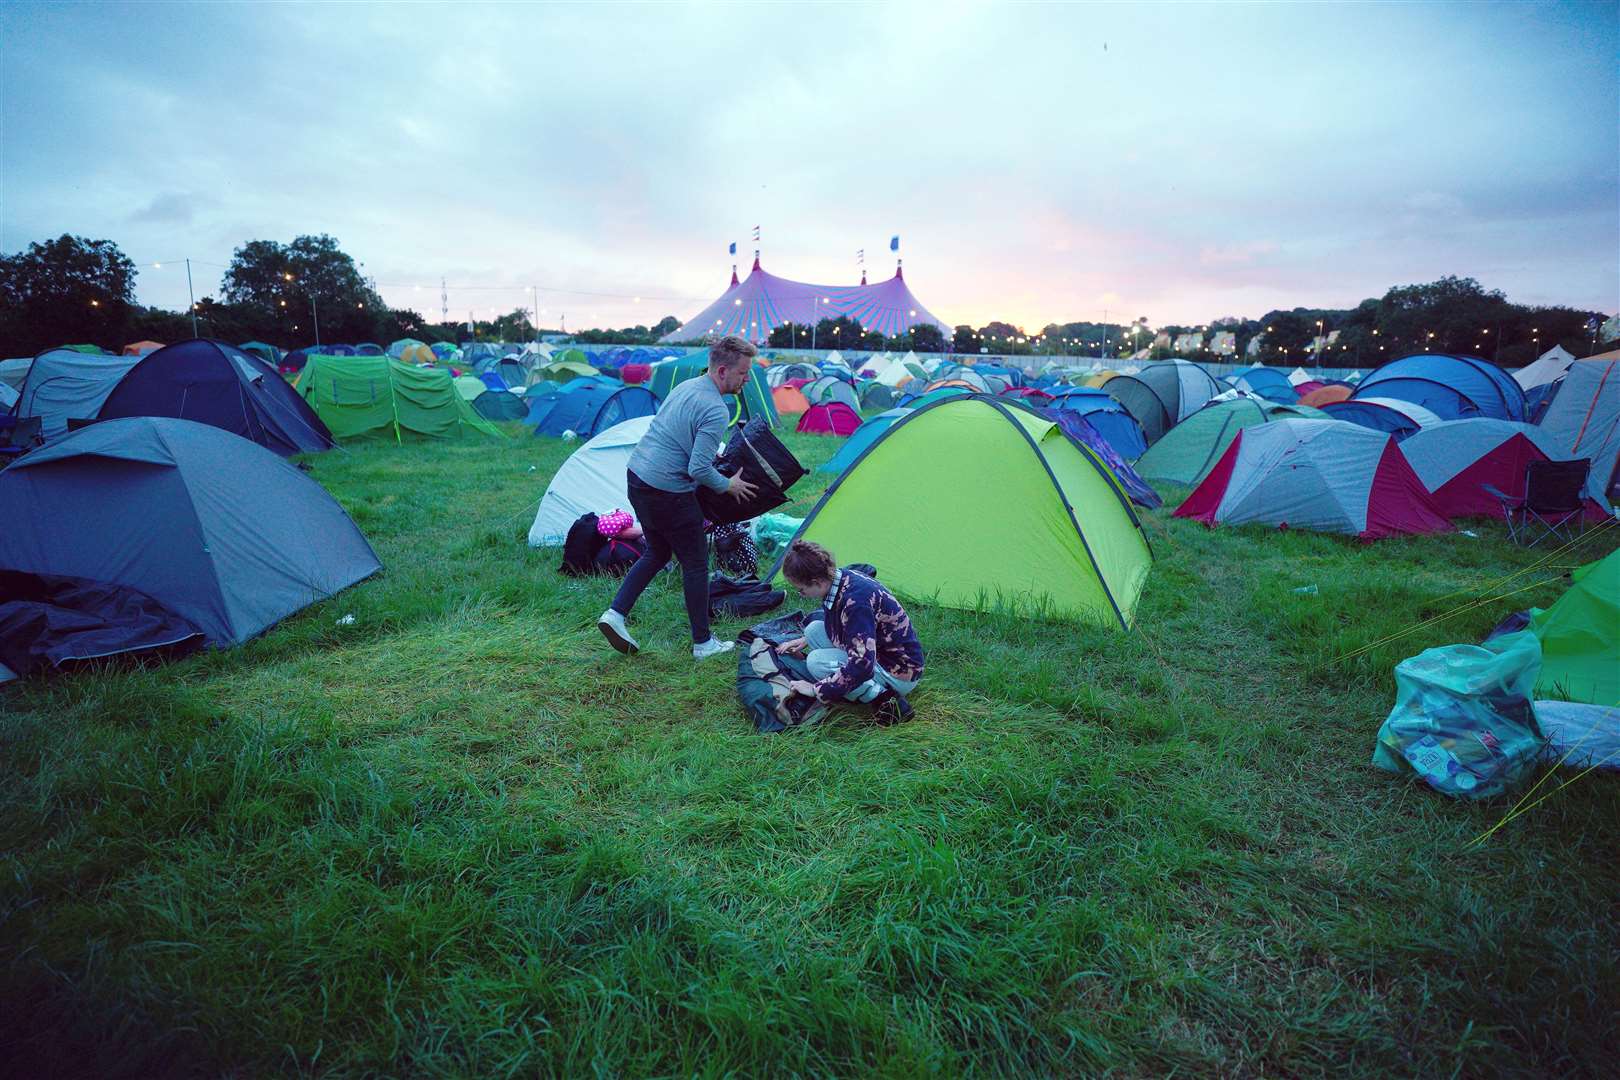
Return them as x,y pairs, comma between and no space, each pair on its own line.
564,370
1580,637
1188,451
754,401
974,502
360,395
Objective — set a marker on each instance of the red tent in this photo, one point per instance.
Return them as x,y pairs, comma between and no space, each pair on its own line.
1028,394
635,374
833,418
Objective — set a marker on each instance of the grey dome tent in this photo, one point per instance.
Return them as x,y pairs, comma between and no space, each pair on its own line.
1162,395
65,384
216,383
221,532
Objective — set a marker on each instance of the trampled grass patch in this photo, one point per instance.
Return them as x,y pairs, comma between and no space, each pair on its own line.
460,837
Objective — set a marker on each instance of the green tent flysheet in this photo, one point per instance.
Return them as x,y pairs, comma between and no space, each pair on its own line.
362,395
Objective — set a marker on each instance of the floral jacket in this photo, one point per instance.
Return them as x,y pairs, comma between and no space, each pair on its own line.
866,621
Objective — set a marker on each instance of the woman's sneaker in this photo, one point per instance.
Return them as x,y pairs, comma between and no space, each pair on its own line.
612,626
710,648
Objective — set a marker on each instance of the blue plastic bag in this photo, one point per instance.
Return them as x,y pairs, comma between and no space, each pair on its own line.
1463,719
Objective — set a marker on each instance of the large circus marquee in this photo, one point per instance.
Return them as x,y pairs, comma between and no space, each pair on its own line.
754,306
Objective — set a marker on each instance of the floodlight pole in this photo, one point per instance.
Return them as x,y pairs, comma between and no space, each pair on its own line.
317,317
192,294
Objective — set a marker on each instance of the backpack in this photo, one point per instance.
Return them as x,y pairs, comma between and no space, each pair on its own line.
585,551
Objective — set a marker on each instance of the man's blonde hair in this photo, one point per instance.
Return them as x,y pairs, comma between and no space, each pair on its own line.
730,351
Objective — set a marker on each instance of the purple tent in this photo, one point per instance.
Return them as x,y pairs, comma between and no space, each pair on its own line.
754,307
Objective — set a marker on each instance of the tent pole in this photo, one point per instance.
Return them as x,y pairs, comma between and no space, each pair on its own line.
193,295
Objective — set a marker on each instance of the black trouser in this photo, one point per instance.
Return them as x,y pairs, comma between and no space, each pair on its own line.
673,523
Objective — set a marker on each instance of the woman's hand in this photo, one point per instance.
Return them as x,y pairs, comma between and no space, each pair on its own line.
794,647
799,686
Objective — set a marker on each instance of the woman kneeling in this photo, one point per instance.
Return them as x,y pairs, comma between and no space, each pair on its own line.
862,648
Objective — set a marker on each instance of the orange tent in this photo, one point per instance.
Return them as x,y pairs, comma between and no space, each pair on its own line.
141,348
789,401
1327,395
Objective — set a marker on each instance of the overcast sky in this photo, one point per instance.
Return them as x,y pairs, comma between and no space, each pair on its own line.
1039,163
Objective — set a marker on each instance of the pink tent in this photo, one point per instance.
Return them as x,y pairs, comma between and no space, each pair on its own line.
754,307
833,418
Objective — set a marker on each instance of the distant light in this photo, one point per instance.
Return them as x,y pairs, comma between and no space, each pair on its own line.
287,276
95,303
157,266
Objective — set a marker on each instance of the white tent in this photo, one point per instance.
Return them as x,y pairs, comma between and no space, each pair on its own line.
1550,366
591,481
1297,376
836,357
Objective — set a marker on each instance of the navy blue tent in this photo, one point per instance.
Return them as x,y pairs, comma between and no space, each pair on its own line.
295,360
366,348
220,532
334,350
214,383
1451,387
492,380
1107,417
1398,417
589,409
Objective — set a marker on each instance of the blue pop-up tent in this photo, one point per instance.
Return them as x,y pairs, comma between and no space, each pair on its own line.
589,408
1107,416
1451,387
218,531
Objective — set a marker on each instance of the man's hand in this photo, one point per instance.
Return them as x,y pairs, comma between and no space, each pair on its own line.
794,647
739,488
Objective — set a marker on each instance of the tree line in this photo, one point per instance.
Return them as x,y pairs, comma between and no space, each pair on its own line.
73,290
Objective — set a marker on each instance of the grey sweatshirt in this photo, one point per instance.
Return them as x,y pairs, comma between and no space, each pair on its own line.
677,453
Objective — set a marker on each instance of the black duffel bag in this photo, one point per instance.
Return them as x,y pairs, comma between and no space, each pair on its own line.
764,462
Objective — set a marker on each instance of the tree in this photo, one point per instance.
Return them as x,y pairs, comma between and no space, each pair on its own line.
964,340
926,337
789,336
307,282
1287,336
65,291
840,333
667,325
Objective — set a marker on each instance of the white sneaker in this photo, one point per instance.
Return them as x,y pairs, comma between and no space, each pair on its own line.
711,648
612,626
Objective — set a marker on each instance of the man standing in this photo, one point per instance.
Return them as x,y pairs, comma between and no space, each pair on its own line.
672,459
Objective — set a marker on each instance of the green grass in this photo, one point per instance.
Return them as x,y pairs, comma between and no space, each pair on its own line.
460,837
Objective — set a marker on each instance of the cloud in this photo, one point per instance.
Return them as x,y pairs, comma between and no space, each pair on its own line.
171,208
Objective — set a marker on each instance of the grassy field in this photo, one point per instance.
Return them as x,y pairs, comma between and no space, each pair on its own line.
460,837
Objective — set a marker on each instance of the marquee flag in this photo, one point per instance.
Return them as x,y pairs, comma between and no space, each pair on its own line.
756,232
734,247
894,243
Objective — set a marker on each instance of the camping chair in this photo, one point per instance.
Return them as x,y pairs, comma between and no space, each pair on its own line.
1552,498
18,436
